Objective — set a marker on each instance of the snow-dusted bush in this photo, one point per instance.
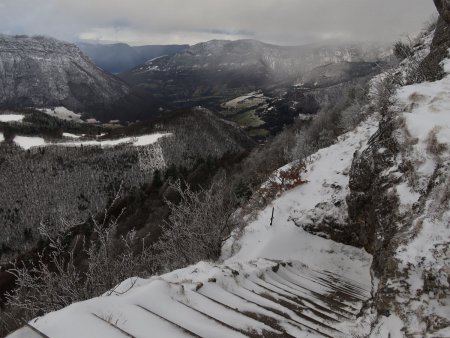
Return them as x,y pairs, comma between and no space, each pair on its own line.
72,271
198,224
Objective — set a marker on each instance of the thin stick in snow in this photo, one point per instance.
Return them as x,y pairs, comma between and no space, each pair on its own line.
271,218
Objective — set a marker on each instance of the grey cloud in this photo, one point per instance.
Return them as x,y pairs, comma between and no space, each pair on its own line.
178,21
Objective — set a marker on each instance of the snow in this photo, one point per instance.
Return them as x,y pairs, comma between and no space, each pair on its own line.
427,112
406,195
389,327
422,255
11,118
148,139
63,113
2,138
138,141
284,240
420,250
69,135
427,105
26,142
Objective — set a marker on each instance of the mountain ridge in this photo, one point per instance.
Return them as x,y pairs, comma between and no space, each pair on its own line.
119,57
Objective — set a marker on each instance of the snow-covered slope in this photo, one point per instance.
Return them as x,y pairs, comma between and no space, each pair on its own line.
421,278
277,281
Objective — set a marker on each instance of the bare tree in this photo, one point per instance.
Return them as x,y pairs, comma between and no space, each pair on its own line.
197,225
75,270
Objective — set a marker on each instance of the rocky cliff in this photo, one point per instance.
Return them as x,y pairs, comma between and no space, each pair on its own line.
399,200
44,72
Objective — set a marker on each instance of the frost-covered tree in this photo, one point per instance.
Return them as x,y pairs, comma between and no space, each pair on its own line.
198,224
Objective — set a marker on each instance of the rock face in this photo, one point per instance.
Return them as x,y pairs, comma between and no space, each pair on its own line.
232,68
44,72
443,7
430,68
398,204
370,202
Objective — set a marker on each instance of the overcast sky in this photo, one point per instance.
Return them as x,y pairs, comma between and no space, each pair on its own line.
287,22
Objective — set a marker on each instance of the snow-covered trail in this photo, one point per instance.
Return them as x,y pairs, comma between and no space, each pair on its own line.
285,299
273,281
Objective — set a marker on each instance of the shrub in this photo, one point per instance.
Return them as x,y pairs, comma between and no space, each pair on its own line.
283,180
197,225
57,279
402,50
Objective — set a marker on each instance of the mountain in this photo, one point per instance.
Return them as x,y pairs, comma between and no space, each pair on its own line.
44,72
219,68
120,57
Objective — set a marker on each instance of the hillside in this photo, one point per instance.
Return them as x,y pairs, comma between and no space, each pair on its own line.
350,241
87,166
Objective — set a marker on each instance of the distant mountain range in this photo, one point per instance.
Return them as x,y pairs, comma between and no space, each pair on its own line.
120,57
43,72
223,69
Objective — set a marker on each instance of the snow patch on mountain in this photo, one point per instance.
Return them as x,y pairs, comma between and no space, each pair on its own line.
63,113
27,142
11,118
70,135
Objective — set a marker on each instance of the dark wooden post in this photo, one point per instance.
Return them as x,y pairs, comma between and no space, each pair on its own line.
271,218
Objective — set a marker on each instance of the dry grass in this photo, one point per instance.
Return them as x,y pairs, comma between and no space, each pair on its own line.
433,145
